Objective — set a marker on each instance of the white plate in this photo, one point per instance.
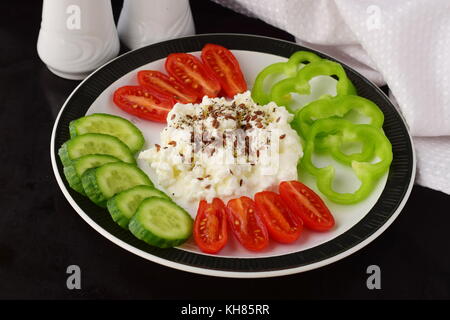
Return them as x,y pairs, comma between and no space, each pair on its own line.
98,90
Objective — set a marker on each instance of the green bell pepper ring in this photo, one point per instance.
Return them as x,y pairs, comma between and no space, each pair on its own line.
366,171
334,142
338,106
288,69
281,91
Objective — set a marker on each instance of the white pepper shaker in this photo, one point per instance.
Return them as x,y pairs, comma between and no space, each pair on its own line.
77,36
143,22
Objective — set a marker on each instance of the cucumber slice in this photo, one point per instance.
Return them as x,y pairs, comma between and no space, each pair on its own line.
102,183
124,204
115,126
94,143
75,170
161,223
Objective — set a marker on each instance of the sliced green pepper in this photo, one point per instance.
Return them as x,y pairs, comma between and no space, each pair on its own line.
281,91
366,170
338,106
288,69
335,141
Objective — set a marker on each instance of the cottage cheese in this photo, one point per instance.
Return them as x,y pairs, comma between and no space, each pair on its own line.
225,149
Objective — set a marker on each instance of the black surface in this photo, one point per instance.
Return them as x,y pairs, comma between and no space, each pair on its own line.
397,184
40,234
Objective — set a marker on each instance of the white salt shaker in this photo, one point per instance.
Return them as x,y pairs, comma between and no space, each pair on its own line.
77,36
144,22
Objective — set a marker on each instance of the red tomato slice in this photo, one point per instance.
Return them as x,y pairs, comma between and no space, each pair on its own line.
283,225
307,205
225,67
162,84
246,223
142,103
189,70
210,226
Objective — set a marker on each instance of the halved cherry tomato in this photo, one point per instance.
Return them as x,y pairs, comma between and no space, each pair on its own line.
307,205
142,103
210,226
165,85
283,225
189,70
225,67
247,224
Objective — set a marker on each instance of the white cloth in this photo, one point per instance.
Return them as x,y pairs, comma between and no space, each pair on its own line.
405,44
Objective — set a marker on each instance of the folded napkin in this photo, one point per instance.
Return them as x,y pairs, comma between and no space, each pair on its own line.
405,44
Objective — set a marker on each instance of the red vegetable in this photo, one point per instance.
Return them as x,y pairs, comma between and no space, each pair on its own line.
220,62
210,226
283,225
143,103
304,202
189,71
165,85
246,223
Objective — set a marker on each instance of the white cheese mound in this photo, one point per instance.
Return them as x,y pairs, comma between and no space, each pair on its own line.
225,149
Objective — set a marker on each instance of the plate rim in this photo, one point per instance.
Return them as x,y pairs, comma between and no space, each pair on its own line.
217,272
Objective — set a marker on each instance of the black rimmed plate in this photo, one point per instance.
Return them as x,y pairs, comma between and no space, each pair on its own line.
357,225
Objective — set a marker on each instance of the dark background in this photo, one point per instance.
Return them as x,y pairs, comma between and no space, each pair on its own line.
40,234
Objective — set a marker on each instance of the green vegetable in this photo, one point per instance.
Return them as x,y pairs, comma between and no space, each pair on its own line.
124,204
115,126
286,69
338,106
281,91
161,222
94,143
367,171
102,183
75,170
